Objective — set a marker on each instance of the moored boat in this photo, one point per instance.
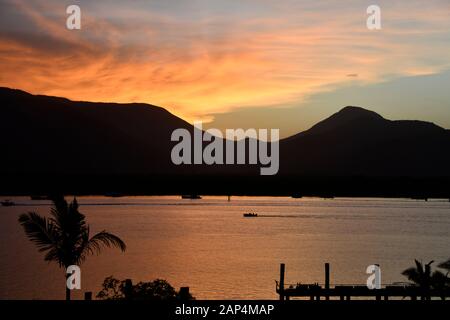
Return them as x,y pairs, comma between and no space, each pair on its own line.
250,215
7,203
191,196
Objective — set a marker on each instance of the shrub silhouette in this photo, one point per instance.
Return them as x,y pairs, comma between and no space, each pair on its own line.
114,289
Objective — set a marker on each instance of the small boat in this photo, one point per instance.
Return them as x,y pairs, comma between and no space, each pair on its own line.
7,203
191,196
250,215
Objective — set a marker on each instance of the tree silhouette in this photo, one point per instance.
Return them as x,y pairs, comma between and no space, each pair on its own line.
64,237
159,290
422,277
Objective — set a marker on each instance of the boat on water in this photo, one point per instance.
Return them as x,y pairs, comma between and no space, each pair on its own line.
250,215
191,196
7,203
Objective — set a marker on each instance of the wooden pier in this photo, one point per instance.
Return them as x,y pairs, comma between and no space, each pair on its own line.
347,292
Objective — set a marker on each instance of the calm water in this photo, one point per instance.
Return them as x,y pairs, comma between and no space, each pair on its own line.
207,244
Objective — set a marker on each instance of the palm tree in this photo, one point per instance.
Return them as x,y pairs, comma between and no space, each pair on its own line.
422,276
64,236
445,265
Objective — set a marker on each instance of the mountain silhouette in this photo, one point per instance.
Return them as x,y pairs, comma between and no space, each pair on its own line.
49,140
346,116
55,135
355,141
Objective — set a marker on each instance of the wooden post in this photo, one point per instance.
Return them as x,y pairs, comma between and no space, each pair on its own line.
281,289
184,293
88,295
327,280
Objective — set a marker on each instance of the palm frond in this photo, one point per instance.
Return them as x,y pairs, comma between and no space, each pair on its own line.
59,210
439,279
40,230
419,266
412,274
445,265
105,239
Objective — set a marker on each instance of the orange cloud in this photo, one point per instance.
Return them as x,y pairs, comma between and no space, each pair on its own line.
209,66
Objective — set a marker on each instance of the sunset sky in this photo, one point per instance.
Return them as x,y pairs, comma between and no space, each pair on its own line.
235,63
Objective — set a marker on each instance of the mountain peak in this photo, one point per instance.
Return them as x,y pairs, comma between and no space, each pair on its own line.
346,116
352,112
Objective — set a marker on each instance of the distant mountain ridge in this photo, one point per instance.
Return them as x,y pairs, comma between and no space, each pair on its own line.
355,141
50,135
56,135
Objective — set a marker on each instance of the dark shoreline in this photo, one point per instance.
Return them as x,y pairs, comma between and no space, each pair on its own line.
297,186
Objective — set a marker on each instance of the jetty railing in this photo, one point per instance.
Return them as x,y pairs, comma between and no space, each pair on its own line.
318,291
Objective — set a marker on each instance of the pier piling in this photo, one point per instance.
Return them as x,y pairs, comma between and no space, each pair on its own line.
327,280
282,271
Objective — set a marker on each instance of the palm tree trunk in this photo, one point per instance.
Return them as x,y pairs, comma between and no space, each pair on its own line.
67,289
